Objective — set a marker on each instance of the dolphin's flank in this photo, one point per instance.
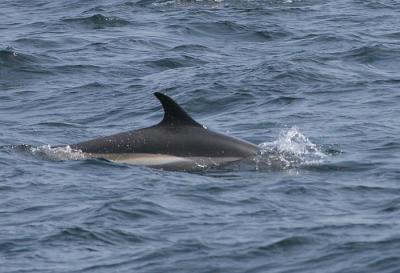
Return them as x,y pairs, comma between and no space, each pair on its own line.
178,142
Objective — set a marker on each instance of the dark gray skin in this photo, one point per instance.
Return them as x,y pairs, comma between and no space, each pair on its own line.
176,135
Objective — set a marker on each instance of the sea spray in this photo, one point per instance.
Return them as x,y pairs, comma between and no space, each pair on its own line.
290,150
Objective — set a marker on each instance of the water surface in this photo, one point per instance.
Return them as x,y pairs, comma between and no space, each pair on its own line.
315,84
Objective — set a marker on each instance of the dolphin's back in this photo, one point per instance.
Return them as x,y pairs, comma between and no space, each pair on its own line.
178,141
183,141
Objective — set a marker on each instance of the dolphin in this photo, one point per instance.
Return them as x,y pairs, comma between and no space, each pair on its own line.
178,142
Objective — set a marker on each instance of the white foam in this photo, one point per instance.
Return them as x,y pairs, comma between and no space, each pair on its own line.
57,153
290,149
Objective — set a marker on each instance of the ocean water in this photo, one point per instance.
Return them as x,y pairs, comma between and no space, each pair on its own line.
316,84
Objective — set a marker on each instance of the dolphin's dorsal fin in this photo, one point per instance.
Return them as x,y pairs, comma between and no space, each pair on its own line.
174,115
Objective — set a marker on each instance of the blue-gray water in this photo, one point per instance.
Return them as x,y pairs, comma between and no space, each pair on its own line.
315,83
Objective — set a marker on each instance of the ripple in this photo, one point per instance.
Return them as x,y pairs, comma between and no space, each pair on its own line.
191,48
98,21
389,264
72,234
372,54
343,166
229,30
388,146
365,245
38,43
134,209
10,57
360,189
59,125
285,100
282,245
76,68
172,63
393,206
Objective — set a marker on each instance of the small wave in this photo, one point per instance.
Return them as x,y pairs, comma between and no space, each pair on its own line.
229,30
39,43
281,245
10,57
213,3
59,124
284,100
393,206
79,234
292,149
99,21
191,48
172,63
220,28
372,54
